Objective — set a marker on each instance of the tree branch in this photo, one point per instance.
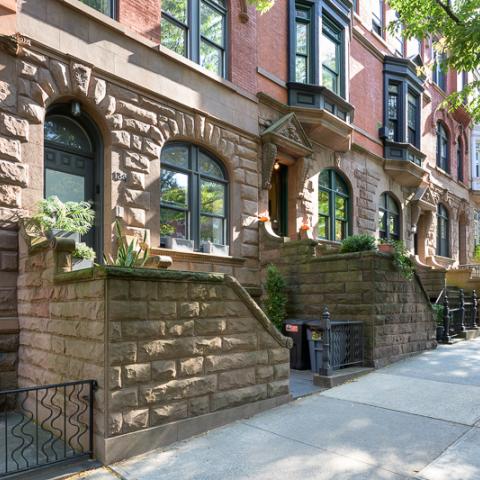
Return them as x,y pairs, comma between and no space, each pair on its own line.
448,10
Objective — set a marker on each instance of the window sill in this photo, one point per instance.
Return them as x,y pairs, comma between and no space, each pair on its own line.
444,172
199,257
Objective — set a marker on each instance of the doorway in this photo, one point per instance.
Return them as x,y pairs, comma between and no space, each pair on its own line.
73,165
278,200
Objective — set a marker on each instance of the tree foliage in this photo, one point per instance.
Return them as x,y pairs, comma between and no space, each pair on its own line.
454,27
262,5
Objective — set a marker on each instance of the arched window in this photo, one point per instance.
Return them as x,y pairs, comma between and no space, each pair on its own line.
388,217
73,163
333,206
460,160
196,29
194,195
443,157
443,228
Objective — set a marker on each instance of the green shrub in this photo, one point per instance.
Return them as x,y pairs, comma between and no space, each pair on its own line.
84,251
358,243
403,261
476,253
276,298
438,313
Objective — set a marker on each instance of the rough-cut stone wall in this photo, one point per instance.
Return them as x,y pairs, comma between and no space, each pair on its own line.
135,127
177,351
365,286
8,308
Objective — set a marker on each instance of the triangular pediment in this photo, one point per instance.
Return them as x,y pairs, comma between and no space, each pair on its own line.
425,197
288,134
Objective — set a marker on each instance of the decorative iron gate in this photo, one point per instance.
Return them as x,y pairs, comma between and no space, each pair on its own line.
45,425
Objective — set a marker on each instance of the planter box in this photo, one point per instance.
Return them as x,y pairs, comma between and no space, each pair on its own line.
181,244
63,234
81,263
215,249
386,248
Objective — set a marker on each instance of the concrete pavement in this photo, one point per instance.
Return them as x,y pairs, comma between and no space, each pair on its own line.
419,418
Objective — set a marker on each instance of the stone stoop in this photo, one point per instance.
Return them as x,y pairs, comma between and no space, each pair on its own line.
340,377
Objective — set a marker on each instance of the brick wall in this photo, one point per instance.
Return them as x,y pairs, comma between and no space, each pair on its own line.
364,286
174,353
142,16
8,309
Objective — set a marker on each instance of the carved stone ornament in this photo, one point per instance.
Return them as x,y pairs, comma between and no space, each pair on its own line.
12,44
243,11
268,161
425,199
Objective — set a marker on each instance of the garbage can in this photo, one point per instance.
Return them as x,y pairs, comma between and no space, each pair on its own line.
315,344
296,329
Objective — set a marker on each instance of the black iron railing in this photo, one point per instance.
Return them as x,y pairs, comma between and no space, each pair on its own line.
342,344
460,313
45,425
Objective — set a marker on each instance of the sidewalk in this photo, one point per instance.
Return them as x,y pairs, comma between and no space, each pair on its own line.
418,419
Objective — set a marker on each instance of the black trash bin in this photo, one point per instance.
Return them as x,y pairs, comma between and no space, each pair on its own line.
315,344
299,356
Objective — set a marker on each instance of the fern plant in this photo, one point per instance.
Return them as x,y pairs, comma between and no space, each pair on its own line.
131,253
276,298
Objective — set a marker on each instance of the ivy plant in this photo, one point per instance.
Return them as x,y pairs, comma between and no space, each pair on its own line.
276,297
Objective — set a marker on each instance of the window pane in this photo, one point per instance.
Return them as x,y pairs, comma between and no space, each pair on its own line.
329,80
391,205
323,227
209,167
212,197
381,220
340,185
211,58
323,204
340,230
104,6
211,24
340,208
211,229
67,187
174,188
302,38
324,179
65,131
329,53
173,223
176,8
173,37
176,155
301,74
392,224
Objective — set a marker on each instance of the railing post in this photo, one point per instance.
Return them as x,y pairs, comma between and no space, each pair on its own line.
462,311
446,320
474,309
327,326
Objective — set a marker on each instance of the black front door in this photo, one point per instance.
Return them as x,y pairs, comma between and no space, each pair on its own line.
70,169
278,200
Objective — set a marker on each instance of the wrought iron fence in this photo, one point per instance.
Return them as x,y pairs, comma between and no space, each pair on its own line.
342,343
460,313
45,425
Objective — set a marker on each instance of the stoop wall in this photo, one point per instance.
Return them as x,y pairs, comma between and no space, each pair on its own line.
174,353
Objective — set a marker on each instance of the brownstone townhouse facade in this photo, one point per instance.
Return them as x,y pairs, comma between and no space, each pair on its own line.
309,121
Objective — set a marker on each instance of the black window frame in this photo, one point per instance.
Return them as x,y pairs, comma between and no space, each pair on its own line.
384,221
460,160
337,14
113,8
333,175
443,139
193,210
378,24
194,37
439,76
443,225
335,34
302,6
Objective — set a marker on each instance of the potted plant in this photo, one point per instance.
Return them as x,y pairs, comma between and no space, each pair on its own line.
53,218
438,314
169,240
215,248
358,243
385,245
82,257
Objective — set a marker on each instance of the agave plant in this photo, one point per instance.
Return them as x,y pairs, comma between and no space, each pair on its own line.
129,253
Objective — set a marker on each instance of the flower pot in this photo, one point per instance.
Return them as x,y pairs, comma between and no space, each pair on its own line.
215,249
81,263
181,244
55,233
386,248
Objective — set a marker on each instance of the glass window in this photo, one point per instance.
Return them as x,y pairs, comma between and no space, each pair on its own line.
392,112
302,44
388,217
330,55
412,119
66,132
439,75
193,188
477,158
377,16
196,29
399,41
443,158
460,167
443,235
105,6
333,206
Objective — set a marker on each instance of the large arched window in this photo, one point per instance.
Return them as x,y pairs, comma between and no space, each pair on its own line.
443,156
196,29
443,228
333,206
388,217
194,195
460,165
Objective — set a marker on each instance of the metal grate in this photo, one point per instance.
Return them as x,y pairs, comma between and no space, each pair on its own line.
346,344
45,425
